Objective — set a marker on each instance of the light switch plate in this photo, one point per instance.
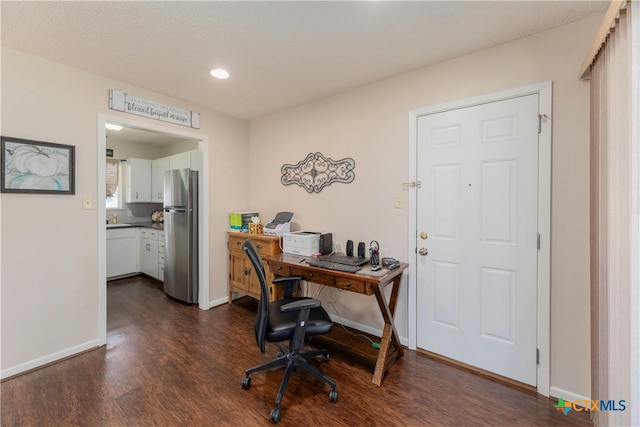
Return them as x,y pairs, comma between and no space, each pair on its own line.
87,202
399,202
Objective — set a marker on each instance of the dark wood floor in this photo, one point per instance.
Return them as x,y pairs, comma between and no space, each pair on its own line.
168,364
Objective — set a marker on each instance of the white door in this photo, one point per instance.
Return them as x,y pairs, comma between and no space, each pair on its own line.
477,218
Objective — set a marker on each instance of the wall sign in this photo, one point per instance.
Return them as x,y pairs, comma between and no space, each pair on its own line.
127,103
317,171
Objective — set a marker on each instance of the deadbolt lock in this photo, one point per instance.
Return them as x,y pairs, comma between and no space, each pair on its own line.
424,236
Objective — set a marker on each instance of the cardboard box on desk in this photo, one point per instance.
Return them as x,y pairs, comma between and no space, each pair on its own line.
240,220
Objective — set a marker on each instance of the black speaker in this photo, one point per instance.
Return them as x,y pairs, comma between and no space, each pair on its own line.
325,246
349,250
361,250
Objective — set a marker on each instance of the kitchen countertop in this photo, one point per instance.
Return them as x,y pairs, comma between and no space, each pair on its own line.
155,226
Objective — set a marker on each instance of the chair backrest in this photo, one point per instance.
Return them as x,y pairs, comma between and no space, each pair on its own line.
262,316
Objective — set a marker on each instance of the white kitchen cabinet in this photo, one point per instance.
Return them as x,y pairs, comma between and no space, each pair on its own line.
186,160
158,167
161,255
137,180
149,252
122,252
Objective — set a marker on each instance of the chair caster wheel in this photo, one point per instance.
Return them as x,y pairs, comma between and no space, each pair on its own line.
325,357
246,382
333,396
276,414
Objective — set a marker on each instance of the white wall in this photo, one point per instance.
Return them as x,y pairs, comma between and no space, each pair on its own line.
49,244
371,125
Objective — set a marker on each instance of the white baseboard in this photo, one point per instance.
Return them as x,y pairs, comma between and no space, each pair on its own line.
218,302
567,395
364,328
50,358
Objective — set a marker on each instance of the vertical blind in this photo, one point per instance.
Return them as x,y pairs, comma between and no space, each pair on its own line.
615,217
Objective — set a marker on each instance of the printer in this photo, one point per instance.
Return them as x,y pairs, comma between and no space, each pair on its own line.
307,243
281,224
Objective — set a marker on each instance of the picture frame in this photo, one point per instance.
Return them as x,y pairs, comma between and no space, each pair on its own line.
36,167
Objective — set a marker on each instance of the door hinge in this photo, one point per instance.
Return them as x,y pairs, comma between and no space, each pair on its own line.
537,356
412,184
538,241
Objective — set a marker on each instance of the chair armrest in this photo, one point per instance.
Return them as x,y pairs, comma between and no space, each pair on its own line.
300,304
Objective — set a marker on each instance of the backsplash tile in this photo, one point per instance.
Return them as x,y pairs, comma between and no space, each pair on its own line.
140,213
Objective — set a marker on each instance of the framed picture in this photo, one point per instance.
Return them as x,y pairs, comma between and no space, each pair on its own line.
37,167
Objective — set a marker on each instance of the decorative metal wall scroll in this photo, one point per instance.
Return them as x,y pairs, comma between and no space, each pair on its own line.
316,171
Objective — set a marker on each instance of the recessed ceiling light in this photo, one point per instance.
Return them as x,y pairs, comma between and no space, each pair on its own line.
112,127
219,73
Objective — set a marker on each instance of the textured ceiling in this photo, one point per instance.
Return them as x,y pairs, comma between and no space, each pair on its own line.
280,54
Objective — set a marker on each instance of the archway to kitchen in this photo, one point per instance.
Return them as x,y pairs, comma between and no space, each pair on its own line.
203,209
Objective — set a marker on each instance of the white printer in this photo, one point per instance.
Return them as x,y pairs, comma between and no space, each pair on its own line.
280,225
304,243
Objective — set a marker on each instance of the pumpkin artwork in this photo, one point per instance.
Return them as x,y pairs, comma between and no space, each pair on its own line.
36,167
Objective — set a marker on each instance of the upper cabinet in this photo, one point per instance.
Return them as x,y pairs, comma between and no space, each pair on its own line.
186,160
158,167
137,180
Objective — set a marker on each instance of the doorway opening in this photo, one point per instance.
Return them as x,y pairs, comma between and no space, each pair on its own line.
162,139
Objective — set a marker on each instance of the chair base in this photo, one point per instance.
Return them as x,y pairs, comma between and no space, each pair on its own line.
292,360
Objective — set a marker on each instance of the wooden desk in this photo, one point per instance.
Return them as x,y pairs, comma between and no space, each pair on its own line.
390,347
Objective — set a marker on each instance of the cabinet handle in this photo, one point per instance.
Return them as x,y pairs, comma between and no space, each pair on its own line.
348,284
259,246
238,243
310,274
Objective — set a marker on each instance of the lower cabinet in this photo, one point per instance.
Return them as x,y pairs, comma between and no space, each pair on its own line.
122,252
135,250
152,253
161,256
242,278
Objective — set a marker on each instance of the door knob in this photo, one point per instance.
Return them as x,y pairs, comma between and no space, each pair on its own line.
423,251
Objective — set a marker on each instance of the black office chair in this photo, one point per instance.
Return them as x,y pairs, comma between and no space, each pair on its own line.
289,319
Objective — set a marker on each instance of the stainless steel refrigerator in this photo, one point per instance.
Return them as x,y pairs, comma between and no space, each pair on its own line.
181,234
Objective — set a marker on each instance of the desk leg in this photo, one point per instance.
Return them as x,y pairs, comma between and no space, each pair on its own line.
389,332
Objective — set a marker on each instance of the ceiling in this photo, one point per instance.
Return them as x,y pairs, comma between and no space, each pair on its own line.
280,54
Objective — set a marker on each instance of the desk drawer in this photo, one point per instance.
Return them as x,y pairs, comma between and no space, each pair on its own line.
280,270
313,276
264,248
235,243
350,284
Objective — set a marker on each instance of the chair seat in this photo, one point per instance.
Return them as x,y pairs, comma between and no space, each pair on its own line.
281,326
